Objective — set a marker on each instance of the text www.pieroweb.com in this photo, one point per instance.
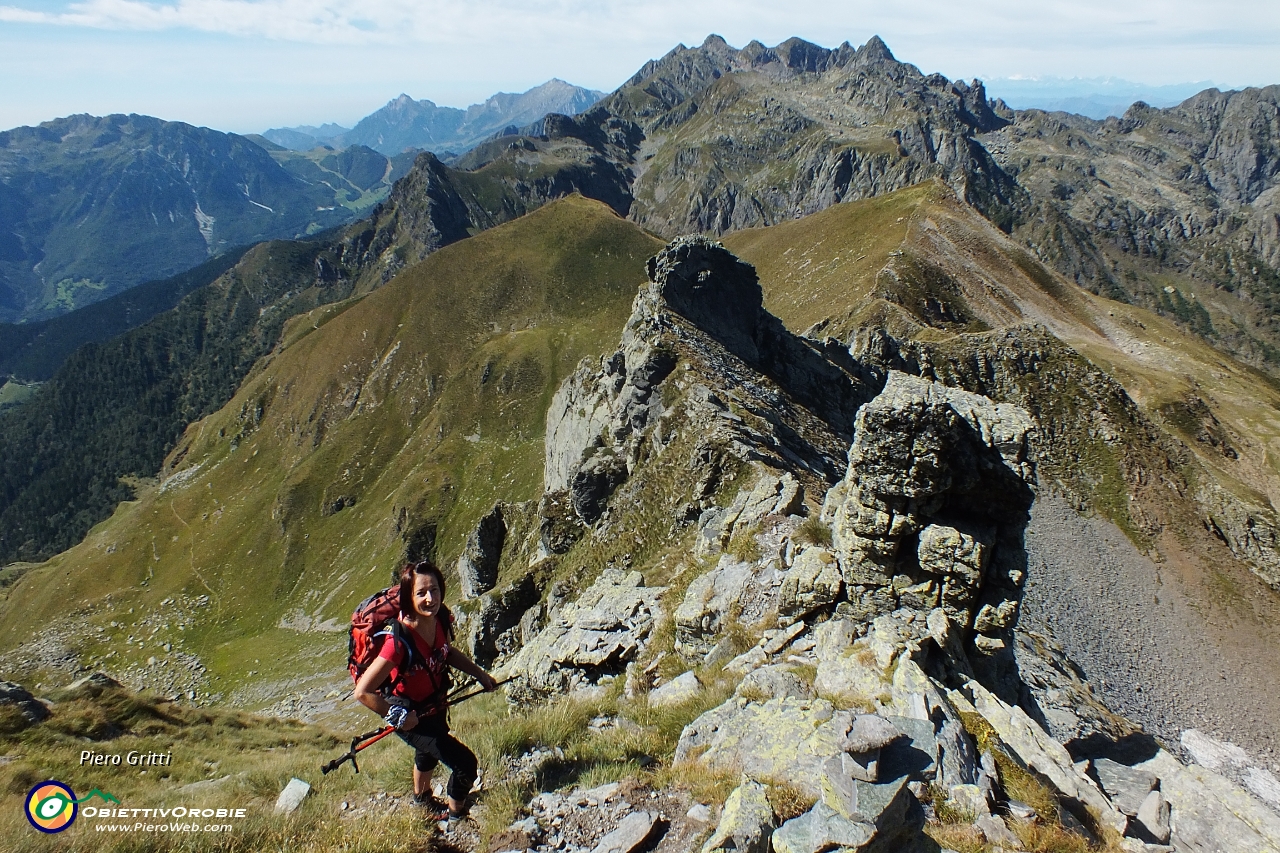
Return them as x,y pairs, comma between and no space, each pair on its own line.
178,819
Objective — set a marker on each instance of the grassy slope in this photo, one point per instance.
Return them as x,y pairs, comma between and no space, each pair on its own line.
824,268
423,402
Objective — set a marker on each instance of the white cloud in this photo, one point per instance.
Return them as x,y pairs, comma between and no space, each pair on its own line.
1084,24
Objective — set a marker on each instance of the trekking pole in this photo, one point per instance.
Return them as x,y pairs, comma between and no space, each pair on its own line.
455,699
358,743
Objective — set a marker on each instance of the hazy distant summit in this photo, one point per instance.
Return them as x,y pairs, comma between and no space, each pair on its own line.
1094,97
405,123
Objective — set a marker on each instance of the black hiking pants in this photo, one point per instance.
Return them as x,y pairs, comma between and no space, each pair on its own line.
433,744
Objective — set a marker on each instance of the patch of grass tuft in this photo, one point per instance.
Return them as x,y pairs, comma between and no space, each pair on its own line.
813,532
788,801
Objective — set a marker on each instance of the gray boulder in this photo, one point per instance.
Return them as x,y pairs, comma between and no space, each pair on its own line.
861,744
1153,816
1211,814
775,681
747,822
682,688
632,833
812,583
1127,787
820,829
18,697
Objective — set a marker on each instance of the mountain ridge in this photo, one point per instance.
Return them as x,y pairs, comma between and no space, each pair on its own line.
404,123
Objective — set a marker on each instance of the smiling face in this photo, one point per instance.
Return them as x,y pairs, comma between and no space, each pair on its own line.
427,597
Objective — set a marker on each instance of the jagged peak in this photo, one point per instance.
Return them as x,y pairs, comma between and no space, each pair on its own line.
875,50
715,42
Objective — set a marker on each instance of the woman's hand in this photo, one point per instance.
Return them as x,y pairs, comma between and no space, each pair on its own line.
488,682
409,722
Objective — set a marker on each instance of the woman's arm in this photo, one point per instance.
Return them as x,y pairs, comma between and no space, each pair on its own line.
460,661
366,692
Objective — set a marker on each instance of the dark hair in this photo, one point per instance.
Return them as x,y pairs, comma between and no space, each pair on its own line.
426,567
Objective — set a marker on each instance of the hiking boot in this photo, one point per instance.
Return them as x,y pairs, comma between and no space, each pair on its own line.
428,801
447,818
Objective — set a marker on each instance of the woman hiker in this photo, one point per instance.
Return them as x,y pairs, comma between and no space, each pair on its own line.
412,661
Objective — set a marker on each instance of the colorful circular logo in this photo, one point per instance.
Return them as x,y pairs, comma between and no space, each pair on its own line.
51,806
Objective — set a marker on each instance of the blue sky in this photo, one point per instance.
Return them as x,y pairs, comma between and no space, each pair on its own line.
245,65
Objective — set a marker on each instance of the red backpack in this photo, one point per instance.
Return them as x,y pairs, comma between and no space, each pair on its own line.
373,619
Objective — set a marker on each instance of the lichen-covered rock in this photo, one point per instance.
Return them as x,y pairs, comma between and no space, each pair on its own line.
597,635
776,681
747,822
783,738
713,597
812,583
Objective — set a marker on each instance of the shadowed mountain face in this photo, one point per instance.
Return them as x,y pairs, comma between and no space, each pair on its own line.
1175,209
92,206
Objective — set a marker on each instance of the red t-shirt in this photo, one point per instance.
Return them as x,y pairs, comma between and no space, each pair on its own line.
426,674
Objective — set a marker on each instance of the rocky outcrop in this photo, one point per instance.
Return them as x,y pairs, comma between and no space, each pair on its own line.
28,710
865,764
1247,529
495,631
589,640
788,405
812,584
771,495
478,563
932,509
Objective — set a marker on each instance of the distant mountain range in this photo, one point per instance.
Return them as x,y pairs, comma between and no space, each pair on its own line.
90,207
408,124
1094,97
